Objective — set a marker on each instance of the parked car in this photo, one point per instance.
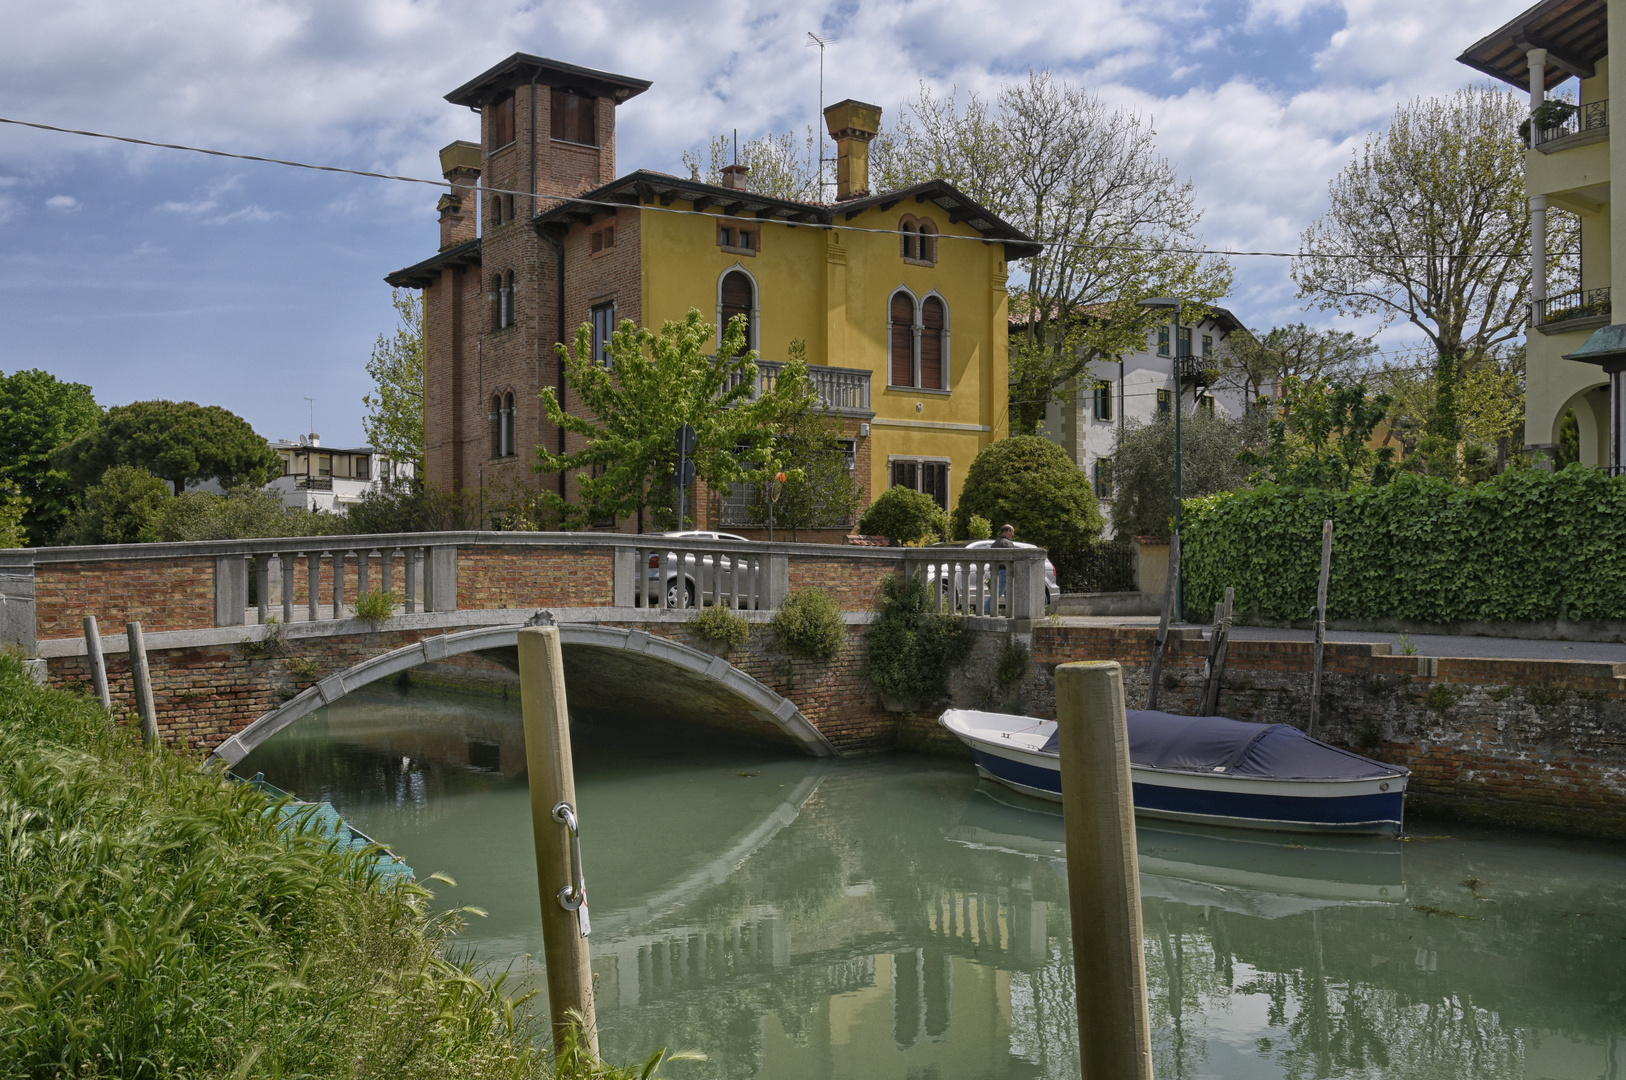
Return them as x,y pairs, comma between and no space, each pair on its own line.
658,565
1052,589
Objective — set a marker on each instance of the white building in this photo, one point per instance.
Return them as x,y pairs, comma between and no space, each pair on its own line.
317,477
1089,414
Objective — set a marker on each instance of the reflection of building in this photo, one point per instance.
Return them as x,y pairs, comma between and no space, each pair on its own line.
1570,166
317,477
899,296
1087,416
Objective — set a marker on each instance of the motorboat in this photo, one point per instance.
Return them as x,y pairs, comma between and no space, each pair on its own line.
1207,770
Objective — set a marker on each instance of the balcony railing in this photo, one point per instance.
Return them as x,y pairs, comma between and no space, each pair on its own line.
1570,306
1591,117
315,483
841,390
1202,370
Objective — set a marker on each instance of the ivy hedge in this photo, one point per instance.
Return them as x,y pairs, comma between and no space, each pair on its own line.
1523,546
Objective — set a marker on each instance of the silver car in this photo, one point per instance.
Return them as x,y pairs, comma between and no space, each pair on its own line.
1052,590
716,583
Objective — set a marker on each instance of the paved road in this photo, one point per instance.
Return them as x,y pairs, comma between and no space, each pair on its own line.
1425,644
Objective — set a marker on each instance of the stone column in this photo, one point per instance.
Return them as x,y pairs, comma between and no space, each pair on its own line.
1537,59
1538,259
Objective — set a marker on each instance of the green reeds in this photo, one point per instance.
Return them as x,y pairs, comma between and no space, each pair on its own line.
157,921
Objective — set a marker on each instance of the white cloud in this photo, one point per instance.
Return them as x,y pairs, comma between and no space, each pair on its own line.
62,202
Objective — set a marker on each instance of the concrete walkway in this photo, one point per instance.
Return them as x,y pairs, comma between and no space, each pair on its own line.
1425,644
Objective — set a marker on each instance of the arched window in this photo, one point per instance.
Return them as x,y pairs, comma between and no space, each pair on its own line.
933,344
907,228
494,298
926,246
495,418
737,295
508,439
507,300
901,335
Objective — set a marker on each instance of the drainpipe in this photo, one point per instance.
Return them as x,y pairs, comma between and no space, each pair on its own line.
559,257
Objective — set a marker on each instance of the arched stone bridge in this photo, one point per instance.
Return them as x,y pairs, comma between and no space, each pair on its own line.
244,637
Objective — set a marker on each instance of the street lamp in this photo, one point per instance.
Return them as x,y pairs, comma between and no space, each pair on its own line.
1172,303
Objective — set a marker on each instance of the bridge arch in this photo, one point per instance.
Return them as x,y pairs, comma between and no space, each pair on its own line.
613,657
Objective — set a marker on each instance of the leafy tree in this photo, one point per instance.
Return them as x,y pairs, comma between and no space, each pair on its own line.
1143,466
13,508
1084,177
118,510
1490,414
1319,435
242,514
1429,224
38,414
394,423
906,515
412,507
1255,364
781,164
634,406
179,441
1031,483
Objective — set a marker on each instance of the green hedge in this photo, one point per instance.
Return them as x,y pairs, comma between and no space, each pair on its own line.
1523,546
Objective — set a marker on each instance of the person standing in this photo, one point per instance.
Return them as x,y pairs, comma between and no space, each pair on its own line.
1006,534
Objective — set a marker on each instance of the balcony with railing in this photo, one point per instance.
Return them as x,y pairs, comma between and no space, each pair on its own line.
843,391
1201,370
1566,313
1589,123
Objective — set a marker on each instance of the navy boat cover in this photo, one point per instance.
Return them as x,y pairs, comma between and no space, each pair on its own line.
1214,744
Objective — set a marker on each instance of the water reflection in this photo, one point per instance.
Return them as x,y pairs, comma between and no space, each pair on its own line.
892,919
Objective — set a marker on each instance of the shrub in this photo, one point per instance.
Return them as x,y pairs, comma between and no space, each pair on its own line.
1031,483
911,646
978,528
245,513
117,510
1012,663
810,624
720,625
1523,546
376,606
905,515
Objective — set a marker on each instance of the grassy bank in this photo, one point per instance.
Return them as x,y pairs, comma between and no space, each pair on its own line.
156,922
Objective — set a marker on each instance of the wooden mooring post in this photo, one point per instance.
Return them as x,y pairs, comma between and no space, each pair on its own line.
1162,642
1320,627
98,665
1103,874
556,826
142,679
1218,648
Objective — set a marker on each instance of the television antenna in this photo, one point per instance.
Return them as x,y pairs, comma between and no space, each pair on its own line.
822,43
312,429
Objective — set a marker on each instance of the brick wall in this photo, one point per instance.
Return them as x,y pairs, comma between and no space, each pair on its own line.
501,577
164,594
1539,743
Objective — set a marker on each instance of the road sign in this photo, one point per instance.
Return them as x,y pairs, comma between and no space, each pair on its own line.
684,473
686,441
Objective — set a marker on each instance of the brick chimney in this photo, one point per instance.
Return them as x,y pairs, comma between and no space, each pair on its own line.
460,164
734,176
852,125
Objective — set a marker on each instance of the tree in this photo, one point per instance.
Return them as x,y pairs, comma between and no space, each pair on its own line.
1429,224
1255,364
905,515
1031,483
394,420
1319,437
634,406
1085,179
38,415
119,509
1490,415
13,508
241,514
1143,466
179,441
779,166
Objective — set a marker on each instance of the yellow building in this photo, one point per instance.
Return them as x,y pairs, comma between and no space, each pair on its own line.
900,296
1573,352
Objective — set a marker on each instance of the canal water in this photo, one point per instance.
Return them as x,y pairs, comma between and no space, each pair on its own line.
896,918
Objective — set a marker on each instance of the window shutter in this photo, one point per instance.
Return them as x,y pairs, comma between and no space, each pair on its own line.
933,319
903,340
736,301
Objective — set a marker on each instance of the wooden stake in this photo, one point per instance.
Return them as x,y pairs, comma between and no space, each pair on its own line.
1162,641
1320,626
558,854
1103,873
143,683
98,666
1218,649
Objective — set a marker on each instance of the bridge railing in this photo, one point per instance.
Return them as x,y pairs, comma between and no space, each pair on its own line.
44,592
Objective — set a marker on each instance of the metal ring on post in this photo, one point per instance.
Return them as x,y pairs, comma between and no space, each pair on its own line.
573,895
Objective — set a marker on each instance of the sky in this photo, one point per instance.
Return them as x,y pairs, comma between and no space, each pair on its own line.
153,273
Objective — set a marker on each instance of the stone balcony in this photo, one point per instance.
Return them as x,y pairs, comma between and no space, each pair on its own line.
1588,124
1571,312
843,391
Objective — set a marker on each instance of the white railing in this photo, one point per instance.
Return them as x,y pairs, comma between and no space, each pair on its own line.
841,390
682,574
333,579
1010,588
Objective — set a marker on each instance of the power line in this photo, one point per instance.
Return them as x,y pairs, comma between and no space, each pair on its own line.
610,205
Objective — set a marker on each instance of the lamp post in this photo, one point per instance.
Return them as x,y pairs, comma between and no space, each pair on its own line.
1172,303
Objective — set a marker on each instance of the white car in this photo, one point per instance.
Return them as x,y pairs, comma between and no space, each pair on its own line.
1052,590
721,582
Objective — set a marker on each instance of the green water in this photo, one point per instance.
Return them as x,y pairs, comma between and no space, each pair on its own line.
896,918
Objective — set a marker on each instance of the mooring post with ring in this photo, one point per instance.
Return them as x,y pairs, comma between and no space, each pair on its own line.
557,828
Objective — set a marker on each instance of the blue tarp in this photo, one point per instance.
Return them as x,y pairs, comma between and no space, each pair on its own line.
1208,744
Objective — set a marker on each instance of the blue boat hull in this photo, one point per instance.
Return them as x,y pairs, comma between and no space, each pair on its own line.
1375,813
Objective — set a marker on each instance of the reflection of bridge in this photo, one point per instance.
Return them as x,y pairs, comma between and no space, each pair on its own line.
262,630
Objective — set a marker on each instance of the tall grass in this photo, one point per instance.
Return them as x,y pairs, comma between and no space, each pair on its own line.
155,921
